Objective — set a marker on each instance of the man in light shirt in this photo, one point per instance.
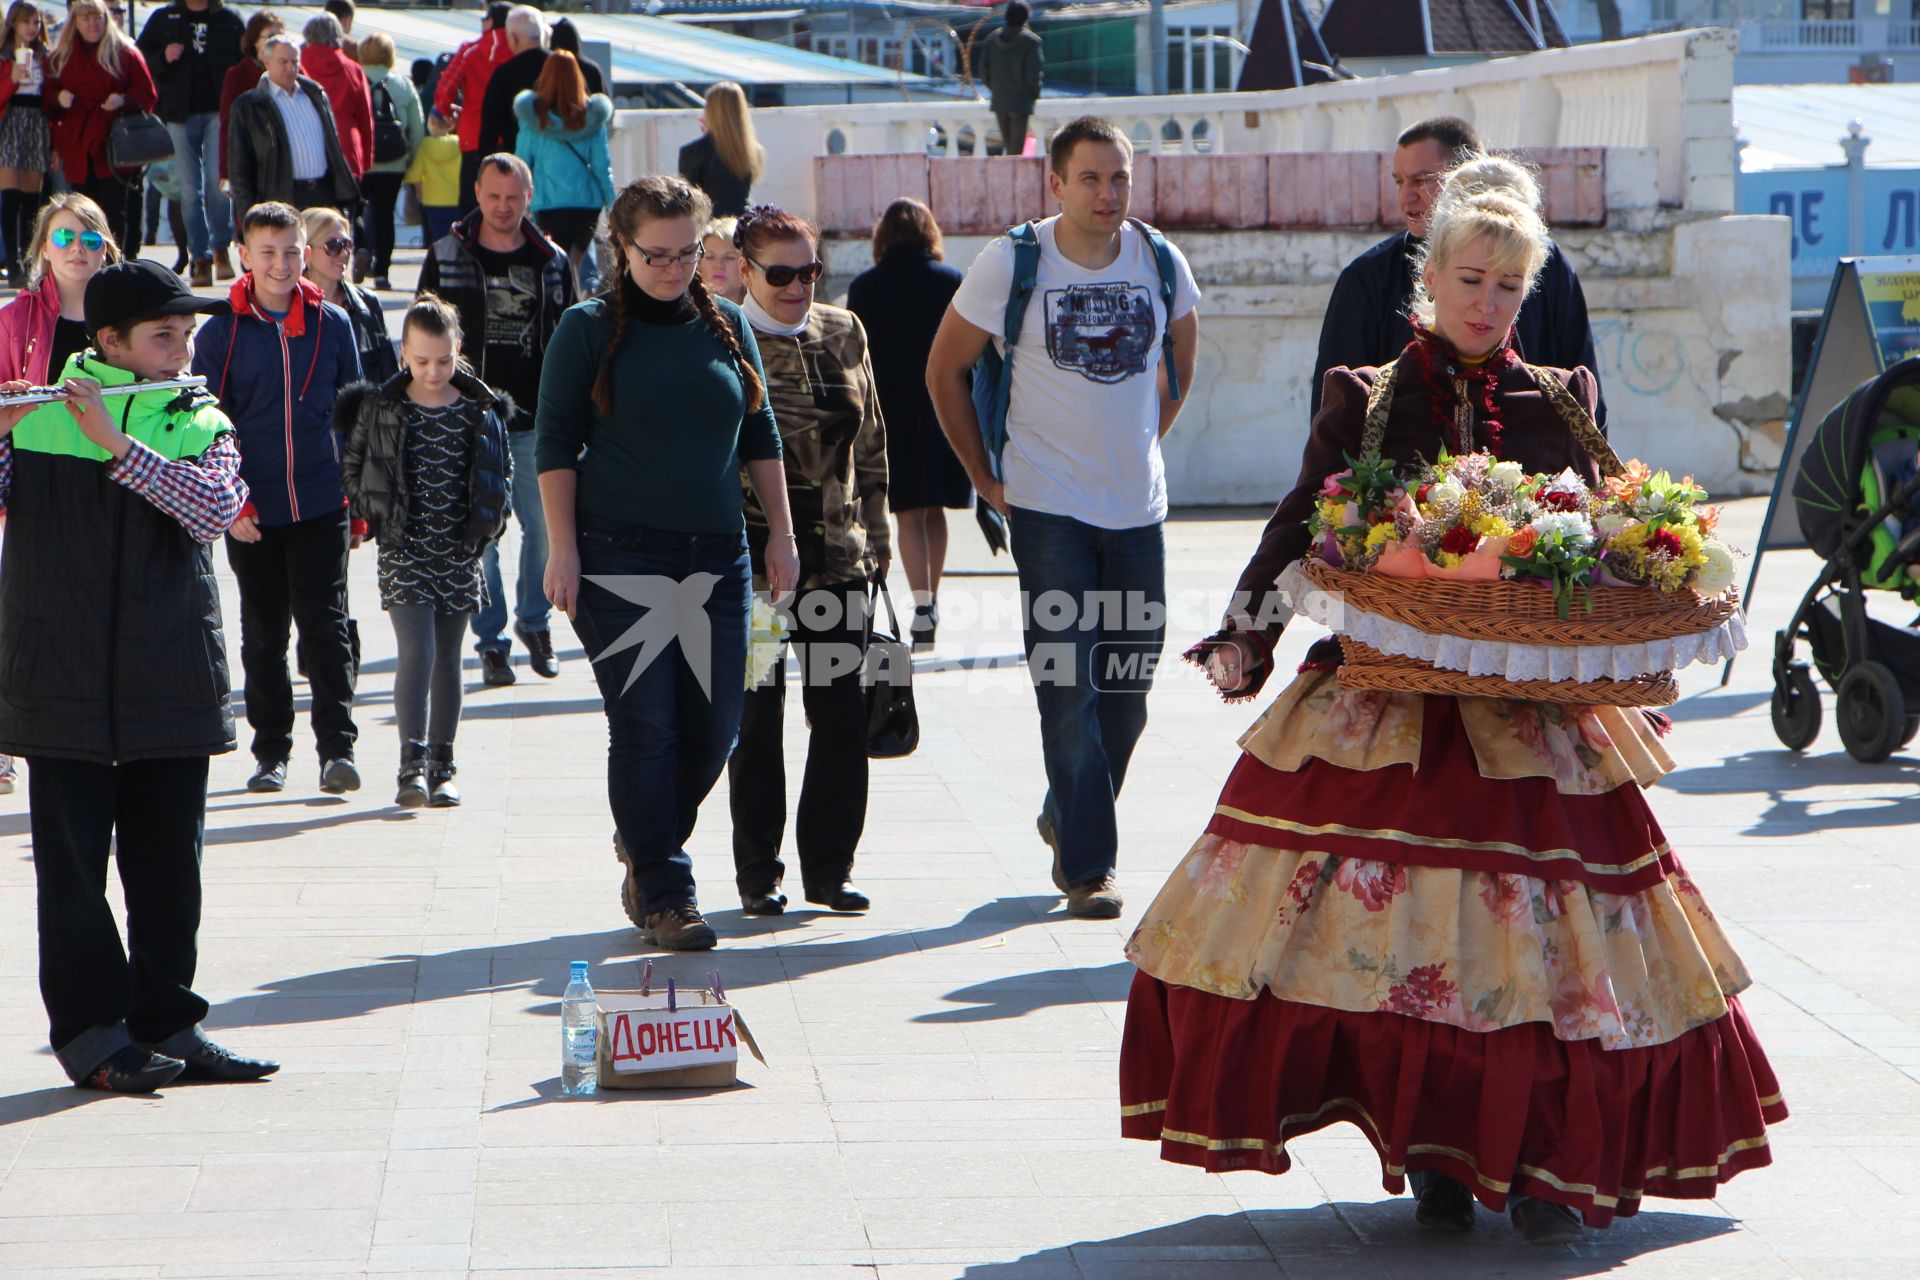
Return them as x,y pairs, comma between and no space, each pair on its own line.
282,143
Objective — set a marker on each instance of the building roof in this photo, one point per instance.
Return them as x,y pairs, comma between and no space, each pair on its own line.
1798,126
645,50
1439,28
1283,40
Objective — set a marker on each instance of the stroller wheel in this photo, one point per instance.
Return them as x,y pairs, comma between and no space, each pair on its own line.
1871,712
1913,729
1796,708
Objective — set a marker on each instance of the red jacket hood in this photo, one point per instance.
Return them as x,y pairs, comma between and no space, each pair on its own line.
241,296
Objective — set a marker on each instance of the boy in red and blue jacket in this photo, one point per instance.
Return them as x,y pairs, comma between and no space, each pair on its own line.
275,365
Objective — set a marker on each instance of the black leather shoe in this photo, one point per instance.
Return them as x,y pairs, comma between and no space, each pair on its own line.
1445,1205
134,1070
770,903
496,669
209,1063
411,781
540,652
442,794
844,897
268,775
1544,1224
339,776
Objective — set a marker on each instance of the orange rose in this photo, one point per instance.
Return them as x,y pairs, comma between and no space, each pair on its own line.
1521,543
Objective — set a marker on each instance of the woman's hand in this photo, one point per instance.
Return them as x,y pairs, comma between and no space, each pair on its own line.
66,98
783,566
562,581
21,74
114,102
1230,665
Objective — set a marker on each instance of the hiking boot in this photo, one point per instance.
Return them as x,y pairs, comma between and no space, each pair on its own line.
1044,825
1095,900
442,794
1445,1205
1543,1223
632,901
496,669
540,652
412,779
223,266
202,277
679,928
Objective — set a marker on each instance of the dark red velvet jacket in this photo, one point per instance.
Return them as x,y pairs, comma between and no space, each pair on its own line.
80,131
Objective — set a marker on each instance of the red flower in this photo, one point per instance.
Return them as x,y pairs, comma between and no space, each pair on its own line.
1562,500
1667,543
1459,540
1374,884
1423,994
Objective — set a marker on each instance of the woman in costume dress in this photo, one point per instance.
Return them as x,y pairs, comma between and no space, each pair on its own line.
1450,921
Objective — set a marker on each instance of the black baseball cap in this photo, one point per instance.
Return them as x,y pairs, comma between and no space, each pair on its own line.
140,290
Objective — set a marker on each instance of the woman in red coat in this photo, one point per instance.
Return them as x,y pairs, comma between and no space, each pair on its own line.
95,76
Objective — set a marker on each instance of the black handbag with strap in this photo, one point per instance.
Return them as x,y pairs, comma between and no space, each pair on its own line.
893,725
138,139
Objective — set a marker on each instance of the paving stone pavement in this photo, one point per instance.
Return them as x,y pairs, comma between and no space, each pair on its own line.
939,1098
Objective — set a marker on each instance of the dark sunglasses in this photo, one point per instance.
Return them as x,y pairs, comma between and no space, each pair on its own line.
63,238
781,277
339,244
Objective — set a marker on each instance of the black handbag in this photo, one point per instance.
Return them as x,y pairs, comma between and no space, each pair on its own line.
893,726
138,139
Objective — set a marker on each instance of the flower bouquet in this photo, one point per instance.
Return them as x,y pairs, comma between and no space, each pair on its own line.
766,633
1472,576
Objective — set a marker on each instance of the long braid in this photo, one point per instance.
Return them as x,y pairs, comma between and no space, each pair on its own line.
749,377
603,381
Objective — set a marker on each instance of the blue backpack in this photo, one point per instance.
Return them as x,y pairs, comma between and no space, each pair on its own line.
993,375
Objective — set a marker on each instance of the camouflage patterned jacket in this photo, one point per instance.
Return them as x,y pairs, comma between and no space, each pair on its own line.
821,385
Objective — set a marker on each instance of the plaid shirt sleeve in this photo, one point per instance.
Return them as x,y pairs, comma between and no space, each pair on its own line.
204,494
6,473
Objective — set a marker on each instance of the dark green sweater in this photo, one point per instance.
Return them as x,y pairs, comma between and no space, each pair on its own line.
669,457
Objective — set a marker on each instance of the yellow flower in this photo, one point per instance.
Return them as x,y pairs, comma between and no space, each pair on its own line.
1378,536
1493,526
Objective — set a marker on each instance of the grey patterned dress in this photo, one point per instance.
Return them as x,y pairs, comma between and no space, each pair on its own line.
430,562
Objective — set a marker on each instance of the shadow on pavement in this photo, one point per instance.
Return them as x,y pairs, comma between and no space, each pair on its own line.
1026,993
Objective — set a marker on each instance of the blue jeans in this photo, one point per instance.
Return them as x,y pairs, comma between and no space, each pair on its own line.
440,220
1092,658
669,737
196,164
531,608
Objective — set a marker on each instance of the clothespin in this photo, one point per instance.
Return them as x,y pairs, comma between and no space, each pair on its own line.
673,1002
719,988
646,978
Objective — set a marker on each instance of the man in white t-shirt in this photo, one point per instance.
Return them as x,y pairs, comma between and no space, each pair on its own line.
1084,489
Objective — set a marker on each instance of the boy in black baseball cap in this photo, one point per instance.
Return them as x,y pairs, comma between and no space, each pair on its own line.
113,678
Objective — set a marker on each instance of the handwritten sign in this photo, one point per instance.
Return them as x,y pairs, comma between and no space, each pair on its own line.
659,1040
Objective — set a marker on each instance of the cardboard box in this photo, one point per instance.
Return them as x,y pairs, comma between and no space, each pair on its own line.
641,1045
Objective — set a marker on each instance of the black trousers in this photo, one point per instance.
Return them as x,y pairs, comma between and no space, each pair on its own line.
469,174
382,192
151,816
296,575
1013,132
828,628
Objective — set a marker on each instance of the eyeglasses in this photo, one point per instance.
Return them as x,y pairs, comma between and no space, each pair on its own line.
688,257
63,238
339,244
782,276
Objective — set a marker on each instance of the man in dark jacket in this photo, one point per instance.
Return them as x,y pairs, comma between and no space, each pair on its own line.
276,364
510,284
113,680
1011,64
189,46
527,37
282,144
1366,321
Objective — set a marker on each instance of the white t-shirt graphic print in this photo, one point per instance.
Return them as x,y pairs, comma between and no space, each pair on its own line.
1083,418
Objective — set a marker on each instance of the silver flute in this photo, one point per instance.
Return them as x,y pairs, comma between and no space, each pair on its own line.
47,395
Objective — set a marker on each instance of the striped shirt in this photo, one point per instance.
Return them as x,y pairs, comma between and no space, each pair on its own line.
306,135
205,494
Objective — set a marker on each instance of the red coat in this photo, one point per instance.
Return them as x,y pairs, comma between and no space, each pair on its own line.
352,99
465,82
241,76
26,333
80,131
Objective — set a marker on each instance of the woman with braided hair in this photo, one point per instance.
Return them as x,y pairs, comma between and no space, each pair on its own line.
1450,921
652,401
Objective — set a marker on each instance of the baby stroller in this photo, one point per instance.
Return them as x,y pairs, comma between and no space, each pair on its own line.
1858,501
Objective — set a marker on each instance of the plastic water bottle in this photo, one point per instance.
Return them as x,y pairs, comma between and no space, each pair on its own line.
579,1067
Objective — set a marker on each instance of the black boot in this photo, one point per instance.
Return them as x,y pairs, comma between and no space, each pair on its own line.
413,776
440,773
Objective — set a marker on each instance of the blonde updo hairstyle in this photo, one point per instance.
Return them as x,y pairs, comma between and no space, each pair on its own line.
1491,198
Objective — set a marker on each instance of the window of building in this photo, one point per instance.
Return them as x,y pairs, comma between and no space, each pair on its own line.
1201,60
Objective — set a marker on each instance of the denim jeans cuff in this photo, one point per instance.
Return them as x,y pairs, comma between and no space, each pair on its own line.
83,1055
181,1043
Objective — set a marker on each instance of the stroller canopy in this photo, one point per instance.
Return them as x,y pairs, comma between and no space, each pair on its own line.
1827,491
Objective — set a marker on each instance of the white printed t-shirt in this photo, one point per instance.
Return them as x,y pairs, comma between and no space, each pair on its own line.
1083,416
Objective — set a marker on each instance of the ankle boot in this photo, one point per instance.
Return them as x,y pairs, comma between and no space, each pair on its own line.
413,776
440,773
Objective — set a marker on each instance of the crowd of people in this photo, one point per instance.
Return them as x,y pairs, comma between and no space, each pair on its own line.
684,426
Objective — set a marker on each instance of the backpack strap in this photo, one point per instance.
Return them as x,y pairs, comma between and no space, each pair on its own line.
1026,276
1169,274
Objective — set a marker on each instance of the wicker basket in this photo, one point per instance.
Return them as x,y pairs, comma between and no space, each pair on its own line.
1367,668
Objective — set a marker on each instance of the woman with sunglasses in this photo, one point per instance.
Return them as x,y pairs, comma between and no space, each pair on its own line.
821,383
329,255
46,322
651,402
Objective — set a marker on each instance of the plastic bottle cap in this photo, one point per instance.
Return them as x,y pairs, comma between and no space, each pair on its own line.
580,967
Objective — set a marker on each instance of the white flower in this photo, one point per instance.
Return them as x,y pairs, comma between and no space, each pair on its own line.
1613,522
1716,575
1575,528
1505,477
1447,493
766,630
1568,482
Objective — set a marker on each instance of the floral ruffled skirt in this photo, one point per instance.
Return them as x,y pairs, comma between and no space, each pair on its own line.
1455,923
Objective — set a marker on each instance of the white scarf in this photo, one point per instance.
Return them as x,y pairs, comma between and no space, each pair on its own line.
757,317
